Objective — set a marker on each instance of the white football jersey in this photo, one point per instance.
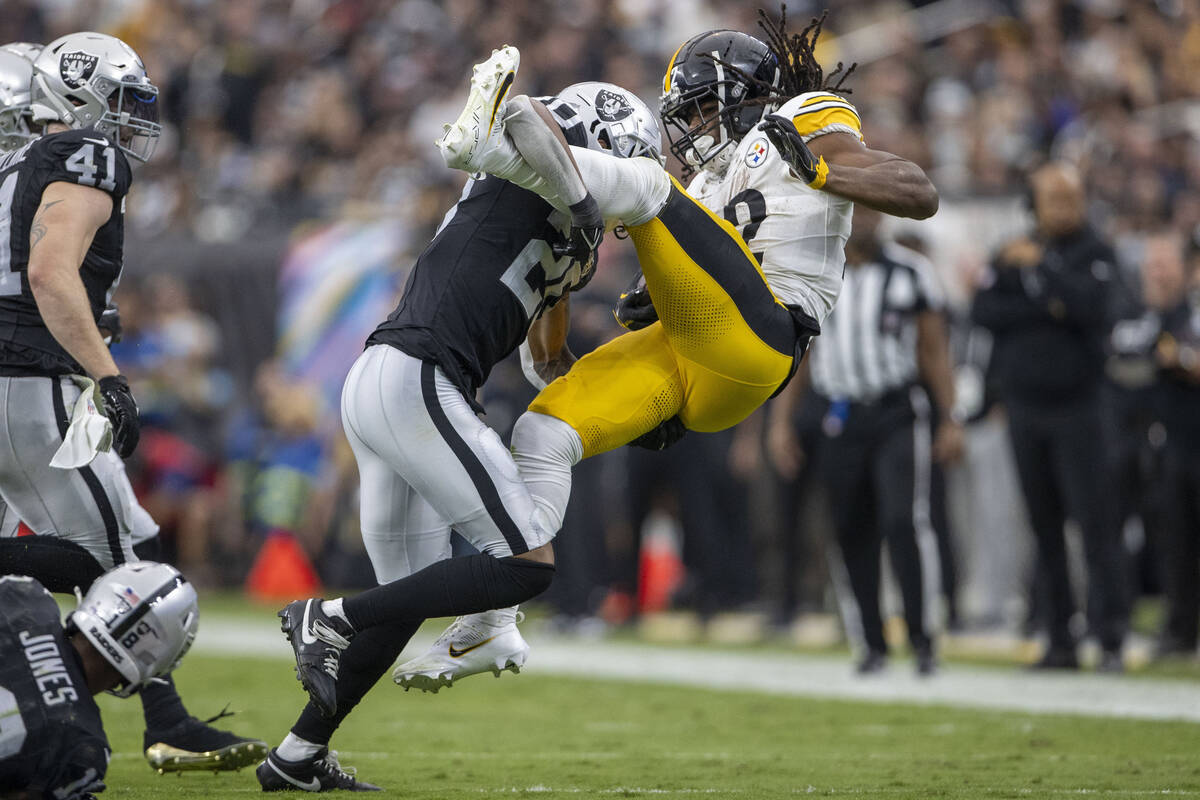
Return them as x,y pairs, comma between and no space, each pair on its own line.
798,233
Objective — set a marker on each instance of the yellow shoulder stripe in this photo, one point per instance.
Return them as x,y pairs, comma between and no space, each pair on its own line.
812,121
822,98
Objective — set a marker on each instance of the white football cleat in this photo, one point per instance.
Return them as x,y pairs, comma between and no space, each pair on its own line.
481,123
472,644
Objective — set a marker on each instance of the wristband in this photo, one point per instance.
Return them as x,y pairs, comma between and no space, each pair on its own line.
822,170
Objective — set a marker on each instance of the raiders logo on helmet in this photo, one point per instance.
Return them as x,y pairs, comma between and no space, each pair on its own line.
76,67
611,106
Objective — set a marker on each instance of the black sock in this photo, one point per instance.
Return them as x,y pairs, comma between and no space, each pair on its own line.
368,657
58,564
162,705
149,550
463,585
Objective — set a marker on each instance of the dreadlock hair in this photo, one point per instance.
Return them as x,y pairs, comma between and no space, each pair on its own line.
799,70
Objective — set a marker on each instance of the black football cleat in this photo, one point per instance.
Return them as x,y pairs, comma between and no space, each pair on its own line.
873,662
193,744
318,640
321,773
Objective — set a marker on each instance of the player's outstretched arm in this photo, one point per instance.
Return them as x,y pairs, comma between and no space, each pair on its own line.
547,341
59,237
841,164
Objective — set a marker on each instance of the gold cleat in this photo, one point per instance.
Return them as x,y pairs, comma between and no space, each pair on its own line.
164,758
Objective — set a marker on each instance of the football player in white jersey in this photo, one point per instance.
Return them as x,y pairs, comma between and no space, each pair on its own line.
739,294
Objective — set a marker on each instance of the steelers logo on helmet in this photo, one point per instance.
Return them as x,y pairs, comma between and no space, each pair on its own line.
76,67
611,107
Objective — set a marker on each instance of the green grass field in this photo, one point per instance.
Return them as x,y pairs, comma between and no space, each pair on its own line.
554,737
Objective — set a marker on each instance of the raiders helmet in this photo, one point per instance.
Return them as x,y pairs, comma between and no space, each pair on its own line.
91,80
16,116
616,121
27,50
705,105
142,617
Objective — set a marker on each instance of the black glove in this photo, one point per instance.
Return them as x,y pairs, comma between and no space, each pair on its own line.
635,310
787,140
587,230
122,412
110,324
666,434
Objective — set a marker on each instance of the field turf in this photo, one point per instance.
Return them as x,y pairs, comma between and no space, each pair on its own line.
548,737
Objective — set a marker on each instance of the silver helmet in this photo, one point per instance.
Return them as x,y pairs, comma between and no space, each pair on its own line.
16,115
142,617
92,80
616,120
26,50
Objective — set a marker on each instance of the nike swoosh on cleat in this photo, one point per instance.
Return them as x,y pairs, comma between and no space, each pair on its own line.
311,785
456,653
508,79
305,636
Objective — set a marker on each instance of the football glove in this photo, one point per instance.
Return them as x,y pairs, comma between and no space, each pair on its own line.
635,310
587,230
110,324
807,167
122,411
666,434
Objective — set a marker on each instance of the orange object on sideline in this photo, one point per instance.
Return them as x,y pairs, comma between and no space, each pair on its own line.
282,571
660,571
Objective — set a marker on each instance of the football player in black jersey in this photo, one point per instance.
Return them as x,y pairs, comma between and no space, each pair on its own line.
62,199
500,267
135,623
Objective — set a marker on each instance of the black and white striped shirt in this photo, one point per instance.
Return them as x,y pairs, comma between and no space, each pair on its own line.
868,344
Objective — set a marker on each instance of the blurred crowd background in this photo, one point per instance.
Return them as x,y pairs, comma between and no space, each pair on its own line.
297,181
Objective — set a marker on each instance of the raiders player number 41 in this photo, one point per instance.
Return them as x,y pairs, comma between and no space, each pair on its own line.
62,206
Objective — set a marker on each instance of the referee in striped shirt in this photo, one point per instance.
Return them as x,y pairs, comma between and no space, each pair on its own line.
885,340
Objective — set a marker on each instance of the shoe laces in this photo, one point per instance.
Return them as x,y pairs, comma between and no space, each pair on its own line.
325,632
330,766
222,714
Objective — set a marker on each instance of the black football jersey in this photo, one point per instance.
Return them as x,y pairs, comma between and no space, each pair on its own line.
78,156
52,742
486,276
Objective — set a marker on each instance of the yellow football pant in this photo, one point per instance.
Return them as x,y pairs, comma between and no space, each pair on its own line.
722,346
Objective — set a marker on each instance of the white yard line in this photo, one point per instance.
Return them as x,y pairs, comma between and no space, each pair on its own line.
799,674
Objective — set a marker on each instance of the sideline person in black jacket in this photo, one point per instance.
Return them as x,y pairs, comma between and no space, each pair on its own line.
1046,303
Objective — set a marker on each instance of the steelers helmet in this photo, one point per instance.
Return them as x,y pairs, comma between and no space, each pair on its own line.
141,617
16,114
615,120
707,93
92,80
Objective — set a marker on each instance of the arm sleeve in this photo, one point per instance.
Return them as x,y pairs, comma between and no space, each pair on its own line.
543,151
628,190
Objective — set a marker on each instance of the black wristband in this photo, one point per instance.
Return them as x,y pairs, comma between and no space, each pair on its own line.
586,213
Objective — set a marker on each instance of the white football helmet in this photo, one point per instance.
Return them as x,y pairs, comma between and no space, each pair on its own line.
616,120
92,80
16,115
142,617
26,50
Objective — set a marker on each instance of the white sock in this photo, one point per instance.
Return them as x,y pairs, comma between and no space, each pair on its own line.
334,609
545,448
293,748
499,617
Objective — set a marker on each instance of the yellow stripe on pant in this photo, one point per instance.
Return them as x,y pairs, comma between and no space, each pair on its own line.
723,345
